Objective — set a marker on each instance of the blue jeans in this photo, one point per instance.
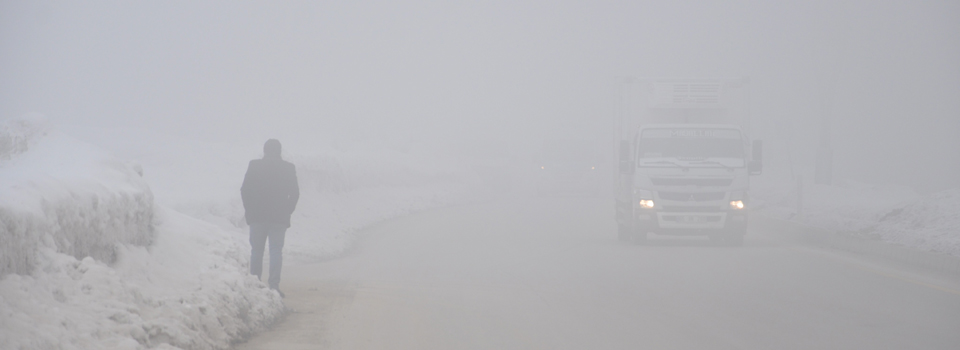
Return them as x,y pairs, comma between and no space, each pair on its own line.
258,238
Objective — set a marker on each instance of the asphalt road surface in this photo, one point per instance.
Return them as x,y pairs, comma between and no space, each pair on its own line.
548,273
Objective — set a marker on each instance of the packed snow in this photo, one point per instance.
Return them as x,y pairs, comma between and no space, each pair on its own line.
65,194
95,258
930,222
190,289
889,213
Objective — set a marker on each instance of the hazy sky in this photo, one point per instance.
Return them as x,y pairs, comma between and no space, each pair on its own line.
888,72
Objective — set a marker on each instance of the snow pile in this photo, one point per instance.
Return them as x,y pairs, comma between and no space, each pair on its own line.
91,263
892,214
931,223
190,290
68,195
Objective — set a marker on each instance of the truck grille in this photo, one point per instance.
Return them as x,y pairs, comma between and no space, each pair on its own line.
690,209
691,182
686,219
692,197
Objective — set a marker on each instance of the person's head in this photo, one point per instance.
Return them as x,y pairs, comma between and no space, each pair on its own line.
271,149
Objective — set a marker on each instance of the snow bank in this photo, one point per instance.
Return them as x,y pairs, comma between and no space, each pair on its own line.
891,214
60,191
930,223
189,290
91,263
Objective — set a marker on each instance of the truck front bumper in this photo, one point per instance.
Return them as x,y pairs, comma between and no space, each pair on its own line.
690,223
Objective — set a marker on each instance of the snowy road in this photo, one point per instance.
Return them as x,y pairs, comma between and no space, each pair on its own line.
549,274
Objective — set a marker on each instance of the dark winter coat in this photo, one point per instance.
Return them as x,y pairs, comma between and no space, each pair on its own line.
270,191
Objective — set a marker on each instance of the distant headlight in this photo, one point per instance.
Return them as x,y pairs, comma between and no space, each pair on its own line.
541,167
736,205
593,168
646,203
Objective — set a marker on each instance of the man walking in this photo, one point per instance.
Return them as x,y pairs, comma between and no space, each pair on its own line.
269,193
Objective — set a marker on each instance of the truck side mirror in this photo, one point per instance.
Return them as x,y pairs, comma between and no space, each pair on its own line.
755,167
626,164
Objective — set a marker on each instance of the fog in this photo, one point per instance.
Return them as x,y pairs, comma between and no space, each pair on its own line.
885,74
424,135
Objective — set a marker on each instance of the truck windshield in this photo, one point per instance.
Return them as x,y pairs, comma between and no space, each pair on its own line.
688,144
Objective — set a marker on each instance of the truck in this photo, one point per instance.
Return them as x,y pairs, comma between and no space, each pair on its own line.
685,159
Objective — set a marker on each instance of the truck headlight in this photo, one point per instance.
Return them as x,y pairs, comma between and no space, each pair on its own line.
646,203
736,205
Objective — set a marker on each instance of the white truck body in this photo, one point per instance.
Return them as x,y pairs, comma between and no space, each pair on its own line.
685,170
